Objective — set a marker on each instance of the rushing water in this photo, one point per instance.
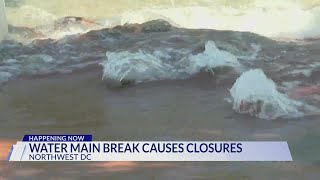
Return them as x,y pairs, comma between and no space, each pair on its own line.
288,18
61,85
80,103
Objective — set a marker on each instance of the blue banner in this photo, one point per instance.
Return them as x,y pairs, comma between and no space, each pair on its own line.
151,151
57,138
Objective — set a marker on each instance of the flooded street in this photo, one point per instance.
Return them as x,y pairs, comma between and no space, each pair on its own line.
161,70
171,110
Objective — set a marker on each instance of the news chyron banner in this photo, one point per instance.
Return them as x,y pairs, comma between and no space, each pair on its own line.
83,148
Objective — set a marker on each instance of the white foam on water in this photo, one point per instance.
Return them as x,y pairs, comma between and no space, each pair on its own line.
277,19
44,23
253,93
271,19
137,67
211,58
142,66
37,64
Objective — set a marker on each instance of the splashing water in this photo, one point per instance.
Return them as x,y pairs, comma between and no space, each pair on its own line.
253,93
212,57
288,19
142,66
